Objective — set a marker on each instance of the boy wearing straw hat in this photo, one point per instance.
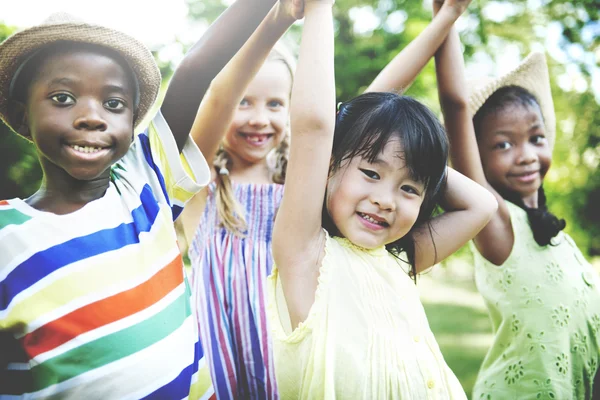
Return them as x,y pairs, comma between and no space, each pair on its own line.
542,295
93,298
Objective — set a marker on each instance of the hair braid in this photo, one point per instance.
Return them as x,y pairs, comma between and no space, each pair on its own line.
229,210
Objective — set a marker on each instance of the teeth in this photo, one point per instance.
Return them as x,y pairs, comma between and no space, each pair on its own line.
371,219
86,149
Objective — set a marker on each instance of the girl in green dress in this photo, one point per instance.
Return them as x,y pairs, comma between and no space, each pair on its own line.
542,295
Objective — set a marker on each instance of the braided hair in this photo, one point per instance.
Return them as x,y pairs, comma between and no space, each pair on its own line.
231,213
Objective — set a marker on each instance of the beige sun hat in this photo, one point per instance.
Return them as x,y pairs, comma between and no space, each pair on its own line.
532,75
61,27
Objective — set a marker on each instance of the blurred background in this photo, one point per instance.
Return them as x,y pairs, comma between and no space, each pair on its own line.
496,35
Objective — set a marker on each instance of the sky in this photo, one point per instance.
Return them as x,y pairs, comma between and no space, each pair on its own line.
147,20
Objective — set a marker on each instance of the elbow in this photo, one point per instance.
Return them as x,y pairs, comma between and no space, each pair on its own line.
489,205
454,103
312,125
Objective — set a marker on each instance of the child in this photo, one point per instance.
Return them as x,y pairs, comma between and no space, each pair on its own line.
230,250
542,295
355,216
93,300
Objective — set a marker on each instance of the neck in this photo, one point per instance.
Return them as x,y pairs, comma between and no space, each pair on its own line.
243,171
64,194
531,201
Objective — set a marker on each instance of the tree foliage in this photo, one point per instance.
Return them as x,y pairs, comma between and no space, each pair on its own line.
369,33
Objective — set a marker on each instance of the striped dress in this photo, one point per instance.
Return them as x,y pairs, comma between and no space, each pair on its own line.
94,304
229,282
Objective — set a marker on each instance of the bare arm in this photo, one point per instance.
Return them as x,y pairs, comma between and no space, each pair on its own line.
297,234
495,241
405,67
468,208
204,61
218,107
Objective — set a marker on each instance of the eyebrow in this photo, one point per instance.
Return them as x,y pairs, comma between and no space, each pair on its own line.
109,87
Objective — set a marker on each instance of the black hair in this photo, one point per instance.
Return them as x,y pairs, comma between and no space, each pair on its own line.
543,223
28,73
363,127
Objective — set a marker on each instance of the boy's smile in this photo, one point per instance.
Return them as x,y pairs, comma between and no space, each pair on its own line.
79,114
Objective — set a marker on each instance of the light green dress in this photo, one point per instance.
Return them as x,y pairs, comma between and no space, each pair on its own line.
544,303
366,335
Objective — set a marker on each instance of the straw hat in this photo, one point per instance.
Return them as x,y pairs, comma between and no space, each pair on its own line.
19,47
532,75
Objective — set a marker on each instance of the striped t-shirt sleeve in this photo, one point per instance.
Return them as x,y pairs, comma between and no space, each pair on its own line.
177,175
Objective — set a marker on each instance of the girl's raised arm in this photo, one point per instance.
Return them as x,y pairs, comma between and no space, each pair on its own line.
220,103
204,61
468,207
297,234
405,67
495,241
218,107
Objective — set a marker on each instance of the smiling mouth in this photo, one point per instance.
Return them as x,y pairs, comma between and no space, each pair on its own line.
256,138
86,149
526,177
372,220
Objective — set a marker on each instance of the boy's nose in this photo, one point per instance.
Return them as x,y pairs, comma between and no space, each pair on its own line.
90,119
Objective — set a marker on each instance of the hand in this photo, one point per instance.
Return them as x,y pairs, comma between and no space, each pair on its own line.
292,8
456,6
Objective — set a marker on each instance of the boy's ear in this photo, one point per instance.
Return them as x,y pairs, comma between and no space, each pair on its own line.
17,114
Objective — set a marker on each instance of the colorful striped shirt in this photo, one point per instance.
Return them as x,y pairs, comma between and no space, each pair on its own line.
229,284
94,304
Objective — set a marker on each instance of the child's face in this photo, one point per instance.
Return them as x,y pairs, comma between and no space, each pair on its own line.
79,114
514,150
262,116
373,204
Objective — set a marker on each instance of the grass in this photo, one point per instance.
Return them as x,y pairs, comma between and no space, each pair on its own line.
459,320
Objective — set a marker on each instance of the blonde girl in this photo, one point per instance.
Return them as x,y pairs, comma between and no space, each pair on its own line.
241,127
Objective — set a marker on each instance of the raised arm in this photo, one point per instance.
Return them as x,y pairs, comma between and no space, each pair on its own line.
204,61
405,67
297,235
468,207
220,103
495,241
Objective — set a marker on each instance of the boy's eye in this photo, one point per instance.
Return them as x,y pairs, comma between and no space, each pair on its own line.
410,189
63,98
114,104
244,102
502,146
371,174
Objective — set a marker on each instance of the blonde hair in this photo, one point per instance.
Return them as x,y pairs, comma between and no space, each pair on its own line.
231,213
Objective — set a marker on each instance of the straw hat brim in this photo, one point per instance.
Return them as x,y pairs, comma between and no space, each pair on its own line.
532,75
18,47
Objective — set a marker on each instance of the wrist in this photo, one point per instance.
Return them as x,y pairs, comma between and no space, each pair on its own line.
448,11
317,5
282,17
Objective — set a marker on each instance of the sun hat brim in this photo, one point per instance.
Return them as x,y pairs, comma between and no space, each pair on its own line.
532,75
17,48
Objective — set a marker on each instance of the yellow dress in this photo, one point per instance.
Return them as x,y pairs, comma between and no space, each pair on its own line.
366,335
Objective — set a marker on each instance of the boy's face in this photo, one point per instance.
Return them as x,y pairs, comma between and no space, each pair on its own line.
79,114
